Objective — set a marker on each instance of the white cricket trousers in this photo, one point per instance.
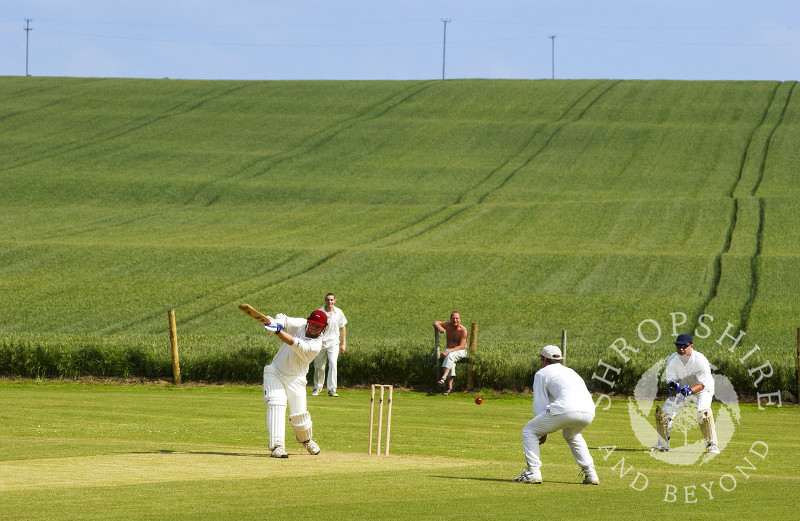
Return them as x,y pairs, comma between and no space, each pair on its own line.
675,404
328,356
281,390
570,424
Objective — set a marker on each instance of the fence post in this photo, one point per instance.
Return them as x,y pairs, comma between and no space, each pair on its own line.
473,341
436,359
173,340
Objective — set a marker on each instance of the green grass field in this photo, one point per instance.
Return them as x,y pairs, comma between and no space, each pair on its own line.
530,206
109,451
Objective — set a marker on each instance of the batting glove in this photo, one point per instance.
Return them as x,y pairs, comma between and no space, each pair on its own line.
273,328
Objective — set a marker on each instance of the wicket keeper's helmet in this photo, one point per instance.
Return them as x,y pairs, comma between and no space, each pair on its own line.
318,317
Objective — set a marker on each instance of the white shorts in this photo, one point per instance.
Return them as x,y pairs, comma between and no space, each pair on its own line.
450,360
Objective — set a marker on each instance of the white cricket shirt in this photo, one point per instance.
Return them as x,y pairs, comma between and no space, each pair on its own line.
560,390
336,320
293,360
689,370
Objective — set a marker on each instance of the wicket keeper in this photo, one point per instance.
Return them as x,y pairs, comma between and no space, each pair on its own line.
687,373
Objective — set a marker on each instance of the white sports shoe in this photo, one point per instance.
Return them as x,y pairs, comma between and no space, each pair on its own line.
312,447
315,392
332,392
529,476
279,452
712,448
659,448
590,476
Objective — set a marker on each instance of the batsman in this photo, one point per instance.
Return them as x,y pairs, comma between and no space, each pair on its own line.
285,379
688,374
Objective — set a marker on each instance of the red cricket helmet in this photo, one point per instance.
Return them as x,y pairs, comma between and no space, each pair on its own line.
318,317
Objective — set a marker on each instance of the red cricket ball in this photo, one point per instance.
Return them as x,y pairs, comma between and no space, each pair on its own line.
479,400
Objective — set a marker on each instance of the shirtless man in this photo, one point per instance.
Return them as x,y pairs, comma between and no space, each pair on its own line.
456,347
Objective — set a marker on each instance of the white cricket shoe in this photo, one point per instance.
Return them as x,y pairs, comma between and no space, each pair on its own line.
332,392
279,452
529,476
315,392
589,476
659,448
712,448
312,447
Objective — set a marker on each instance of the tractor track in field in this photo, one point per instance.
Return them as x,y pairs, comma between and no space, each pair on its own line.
502,174
122,129
765,151
563,122
736,227
264,165
218,292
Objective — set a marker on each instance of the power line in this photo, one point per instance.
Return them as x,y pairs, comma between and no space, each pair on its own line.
418,43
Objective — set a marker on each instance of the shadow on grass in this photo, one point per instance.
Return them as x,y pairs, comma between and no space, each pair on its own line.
622,449
203,453
508,480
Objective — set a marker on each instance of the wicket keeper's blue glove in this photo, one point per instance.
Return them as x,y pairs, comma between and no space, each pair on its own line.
673,387
686,390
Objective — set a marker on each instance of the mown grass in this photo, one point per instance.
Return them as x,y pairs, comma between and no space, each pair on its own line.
110,451
532,207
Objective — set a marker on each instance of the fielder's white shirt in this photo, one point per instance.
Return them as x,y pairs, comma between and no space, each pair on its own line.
336,321
689,370
293,360
560,390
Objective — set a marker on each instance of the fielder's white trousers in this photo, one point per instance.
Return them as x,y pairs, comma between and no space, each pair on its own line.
570,424
450,360
327,357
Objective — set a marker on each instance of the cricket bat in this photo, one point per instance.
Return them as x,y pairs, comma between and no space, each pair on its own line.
253,312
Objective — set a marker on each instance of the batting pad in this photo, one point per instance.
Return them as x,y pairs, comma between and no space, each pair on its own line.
301,423
706,420
663,424
276,425
274,393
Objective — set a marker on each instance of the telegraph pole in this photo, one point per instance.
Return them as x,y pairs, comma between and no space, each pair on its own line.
553,53
444,42
28,30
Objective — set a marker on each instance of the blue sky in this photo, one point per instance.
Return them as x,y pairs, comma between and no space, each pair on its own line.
403,39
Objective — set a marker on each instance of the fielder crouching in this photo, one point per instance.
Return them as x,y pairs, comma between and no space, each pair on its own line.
285,379
561,402
687,373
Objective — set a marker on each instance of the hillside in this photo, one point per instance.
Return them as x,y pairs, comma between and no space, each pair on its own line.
530,206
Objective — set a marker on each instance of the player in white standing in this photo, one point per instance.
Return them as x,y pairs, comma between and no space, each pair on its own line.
562,402
285,379
687,373
335,334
